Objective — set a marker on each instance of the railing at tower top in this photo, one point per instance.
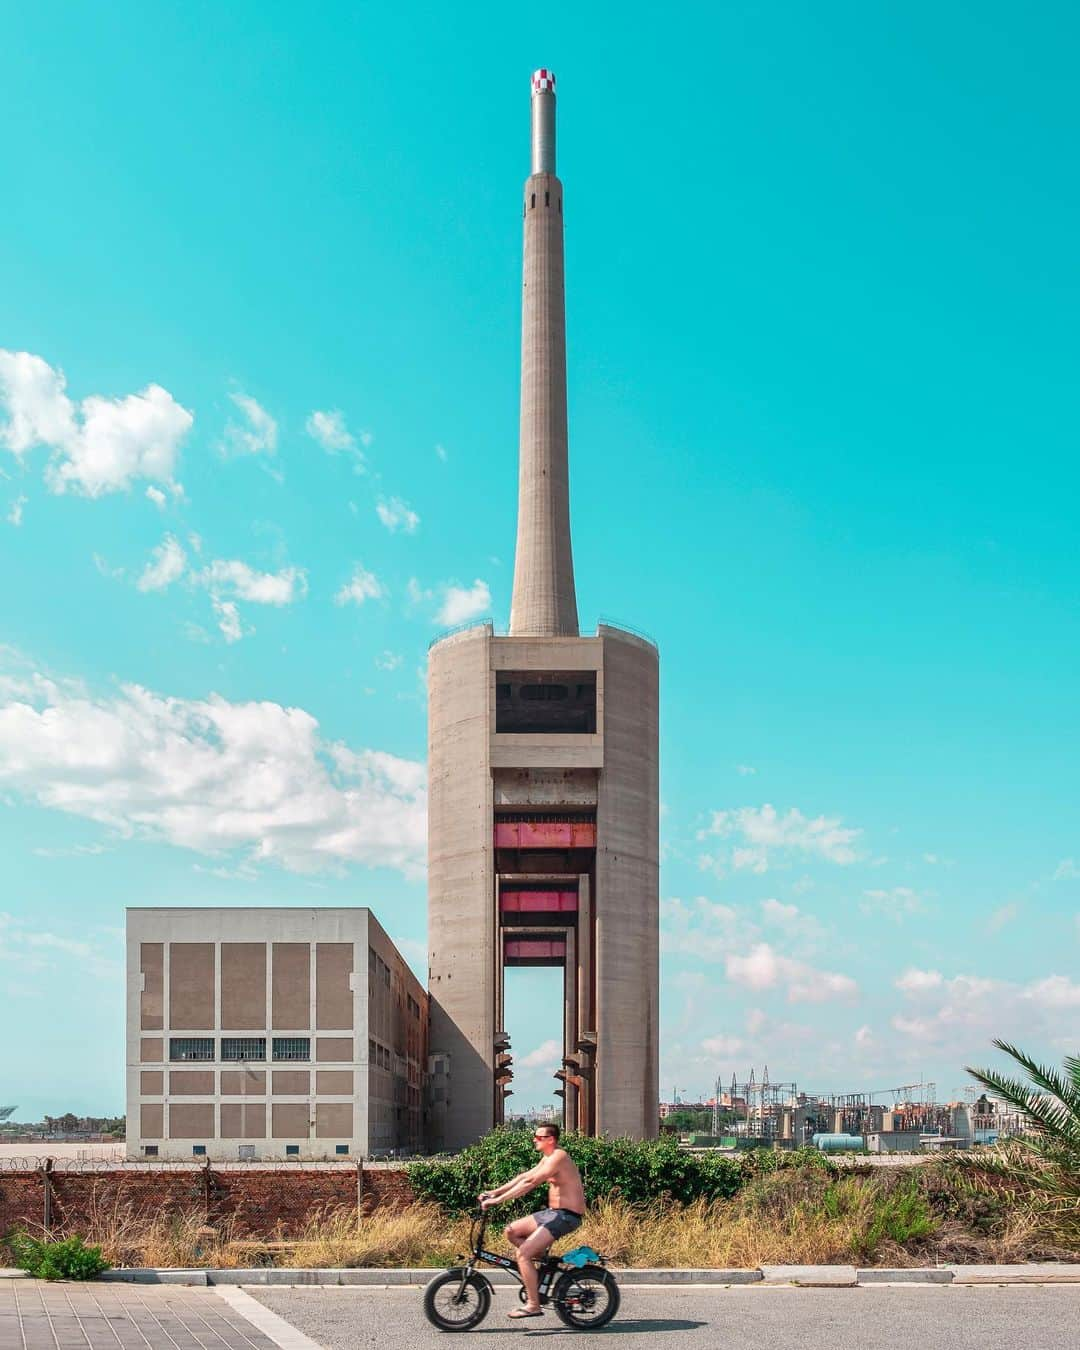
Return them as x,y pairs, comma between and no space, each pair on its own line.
603,621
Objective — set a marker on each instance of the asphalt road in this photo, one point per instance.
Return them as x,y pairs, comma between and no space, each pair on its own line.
868,1318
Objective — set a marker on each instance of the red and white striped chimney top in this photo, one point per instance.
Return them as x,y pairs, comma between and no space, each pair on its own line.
543,81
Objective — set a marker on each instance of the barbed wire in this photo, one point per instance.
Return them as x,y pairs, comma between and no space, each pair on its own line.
35,1164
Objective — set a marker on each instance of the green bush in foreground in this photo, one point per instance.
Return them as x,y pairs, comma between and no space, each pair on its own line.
66,1259
638,1172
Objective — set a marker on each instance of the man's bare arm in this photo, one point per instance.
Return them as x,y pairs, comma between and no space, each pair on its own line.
502,1192
524,1182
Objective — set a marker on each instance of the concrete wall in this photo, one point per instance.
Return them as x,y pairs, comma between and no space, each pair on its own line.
253,974
461,886
627,896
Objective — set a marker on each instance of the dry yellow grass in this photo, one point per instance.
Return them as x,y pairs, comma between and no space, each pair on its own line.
791,1217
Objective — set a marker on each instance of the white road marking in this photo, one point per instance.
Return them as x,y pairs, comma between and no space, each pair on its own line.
285,1336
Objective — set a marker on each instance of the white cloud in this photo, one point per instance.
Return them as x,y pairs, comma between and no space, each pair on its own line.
416,593
157,497
15,515
361,586
388,660
919,981
778,913
895,904
1066,870
252,779
864,1038
166,565
546,1056
34,950
460,604
1055,991
230,576
440,450
718,1046
959,1016
256,435
329,429
397,515
745,770
229,621
764,968
761,831
101,445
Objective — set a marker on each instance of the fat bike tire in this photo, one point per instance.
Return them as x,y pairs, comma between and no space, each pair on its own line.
586,1299
452,1306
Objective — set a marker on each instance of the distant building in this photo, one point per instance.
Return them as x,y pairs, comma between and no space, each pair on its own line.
271,1033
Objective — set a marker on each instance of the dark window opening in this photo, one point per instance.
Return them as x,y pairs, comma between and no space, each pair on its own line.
150,1150
191,1047
555,702
560,206
292,1150
243,1047
199,1150
547,198
532,201
341,1148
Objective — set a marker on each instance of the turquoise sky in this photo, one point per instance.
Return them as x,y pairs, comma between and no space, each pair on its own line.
262,264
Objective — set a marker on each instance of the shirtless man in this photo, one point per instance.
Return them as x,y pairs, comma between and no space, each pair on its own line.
534,1235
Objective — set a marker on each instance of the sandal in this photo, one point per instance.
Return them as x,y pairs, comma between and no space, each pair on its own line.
516,1314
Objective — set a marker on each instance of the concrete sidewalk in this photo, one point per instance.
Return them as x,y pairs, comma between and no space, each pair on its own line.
37,1315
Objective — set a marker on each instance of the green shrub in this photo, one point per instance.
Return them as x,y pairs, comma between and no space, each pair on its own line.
65,1259
639,1172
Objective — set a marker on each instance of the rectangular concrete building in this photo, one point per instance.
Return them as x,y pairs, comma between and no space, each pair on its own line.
271,1034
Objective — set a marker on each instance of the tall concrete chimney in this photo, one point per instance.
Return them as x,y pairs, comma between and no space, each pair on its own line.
544,603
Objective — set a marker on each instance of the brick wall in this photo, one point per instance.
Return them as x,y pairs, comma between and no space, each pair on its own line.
261,1202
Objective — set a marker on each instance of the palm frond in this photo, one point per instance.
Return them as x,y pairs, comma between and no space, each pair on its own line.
1046,1116
1048,1079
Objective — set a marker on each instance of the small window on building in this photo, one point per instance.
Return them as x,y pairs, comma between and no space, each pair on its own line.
547,198
532,201
341,1148
191,1047
247,1152
292,1047
292,1150
243,1047
199,1150
150,1150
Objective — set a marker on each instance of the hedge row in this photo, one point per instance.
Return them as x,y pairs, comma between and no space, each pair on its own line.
638,1172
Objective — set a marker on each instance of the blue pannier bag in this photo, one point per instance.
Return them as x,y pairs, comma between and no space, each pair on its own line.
580,1256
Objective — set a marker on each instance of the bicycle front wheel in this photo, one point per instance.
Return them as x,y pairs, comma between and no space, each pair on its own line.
454,1301
587,1298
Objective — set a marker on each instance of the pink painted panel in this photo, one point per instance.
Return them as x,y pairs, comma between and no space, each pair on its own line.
538,902
522,947
545,834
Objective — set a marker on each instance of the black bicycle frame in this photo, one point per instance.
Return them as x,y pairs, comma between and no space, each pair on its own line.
548,1268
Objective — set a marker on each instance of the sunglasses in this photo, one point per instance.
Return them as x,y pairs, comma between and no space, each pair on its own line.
541,1136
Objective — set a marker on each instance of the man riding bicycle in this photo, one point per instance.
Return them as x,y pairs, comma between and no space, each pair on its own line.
532,1236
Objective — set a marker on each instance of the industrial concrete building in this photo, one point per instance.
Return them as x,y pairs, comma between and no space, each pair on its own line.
271,1033
543,746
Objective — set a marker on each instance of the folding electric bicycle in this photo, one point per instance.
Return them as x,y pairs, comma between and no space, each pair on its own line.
577,1285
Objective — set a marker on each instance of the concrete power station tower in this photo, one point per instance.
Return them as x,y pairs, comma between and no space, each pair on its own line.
543,825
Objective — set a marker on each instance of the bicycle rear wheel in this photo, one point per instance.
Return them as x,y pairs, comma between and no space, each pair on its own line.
587,1298
452,1305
